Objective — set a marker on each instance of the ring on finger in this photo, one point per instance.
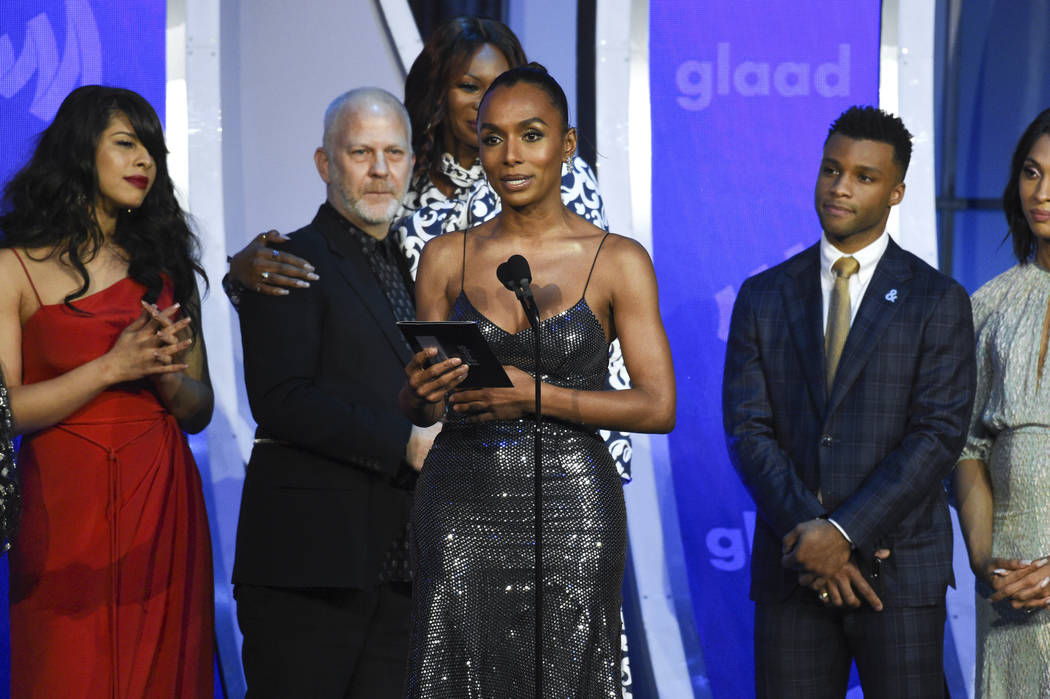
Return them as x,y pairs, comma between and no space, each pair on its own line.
264,275
262,237
275,253
823,596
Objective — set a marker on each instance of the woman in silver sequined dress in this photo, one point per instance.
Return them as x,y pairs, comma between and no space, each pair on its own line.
473,519
1002,481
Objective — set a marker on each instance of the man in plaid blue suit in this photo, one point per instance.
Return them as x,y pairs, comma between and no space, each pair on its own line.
853,548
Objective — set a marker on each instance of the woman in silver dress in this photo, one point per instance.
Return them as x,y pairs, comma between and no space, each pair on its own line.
473,602
1002,481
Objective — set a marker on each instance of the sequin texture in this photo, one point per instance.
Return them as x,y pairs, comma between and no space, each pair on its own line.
10,496
473,616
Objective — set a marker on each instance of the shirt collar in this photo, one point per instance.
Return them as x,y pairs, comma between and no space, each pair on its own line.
867,257
368,243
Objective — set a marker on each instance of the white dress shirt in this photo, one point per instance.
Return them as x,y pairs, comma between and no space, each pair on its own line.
868,258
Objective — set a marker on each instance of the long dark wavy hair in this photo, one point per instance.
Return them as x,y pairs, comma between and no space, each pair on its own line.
1024,242
446,52
50,202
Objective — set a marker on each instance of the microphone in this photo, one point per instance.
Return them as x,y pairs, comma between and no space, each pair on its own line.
517,277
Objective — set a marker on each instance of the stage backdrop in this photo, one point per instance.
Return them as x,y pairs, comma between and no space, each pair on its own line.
742,96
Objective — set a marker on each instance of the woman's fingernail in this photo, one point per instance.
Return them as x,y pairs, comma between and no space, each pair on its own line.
312,277
1046,581
999,571
309,267
1042,562
301,284
1025,562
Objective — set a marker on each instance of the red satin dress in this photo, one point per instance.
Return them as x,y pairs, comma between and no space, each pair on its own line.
111,576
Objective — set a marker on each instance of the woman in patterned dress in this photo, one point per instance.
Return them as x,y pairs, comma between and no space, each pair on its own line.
1002,481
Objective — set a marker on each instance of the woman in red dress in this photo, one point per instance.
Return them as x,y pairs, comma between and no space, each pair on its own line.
100,342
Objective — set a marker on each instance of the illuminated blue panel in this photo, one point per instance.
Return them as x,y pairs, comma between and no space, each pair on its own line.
742,96
49,47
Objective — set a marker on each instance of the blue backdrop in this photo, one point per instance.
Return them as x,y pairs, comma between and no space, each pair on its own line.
742,96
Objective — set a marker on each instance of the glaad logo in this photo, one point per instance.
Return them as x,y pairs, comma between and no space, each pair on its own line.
699,81
81,58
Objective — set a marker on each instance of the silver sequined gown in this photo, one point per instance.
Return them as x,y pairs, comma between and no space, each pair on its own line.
473,603
1010,432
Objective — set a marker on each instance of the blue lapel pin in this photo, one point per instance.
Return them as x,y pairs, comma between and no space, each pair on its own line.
891,296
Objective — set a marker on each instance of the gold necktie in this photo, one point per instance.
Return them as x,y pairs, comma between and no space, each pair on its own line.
838,316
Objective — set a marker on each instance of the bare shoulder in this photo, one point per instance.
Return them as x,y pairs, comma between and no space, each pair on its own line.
625,255
11,272
439,252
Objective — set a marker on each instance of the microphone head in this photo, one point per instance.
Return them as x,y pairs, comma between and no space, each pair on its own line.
504,275
518,267
514,273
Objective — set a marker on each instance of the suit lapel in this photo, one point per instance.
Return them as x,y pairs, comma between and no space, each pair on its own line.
886,292
805,306
356,272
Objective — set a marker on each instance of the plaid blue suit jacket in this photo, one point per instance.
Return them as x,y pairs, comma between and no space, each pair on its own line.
879,444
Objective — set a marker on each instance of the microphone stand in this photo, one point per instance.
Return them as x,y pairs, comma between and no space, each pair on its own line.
514,274
533,315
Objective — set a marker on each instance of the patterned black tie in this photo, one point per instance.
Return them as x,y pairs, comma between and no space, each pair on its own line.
389,276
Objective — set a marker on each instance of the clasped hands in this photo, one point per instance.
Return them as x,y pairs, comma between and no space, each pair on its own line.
150,346
431,384
821,555
1025,583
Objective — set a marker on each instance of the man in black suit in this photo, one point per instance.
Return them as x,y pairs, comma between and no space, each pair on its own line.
849,379
321,571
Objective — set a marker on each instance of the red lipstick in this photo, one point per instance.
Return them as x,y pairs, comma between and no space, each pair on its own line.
140,181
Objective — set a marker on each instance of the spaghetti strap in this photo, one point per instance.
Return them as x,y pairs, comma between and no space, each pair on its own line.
26,270
593,263
463,267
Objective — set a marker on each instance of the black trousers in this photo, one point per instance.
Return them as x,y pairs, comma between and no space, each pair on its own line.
804,649
325,643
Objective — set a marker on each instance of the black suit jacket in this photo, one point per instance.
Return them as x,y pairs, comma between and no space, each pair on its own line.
879,444
324,495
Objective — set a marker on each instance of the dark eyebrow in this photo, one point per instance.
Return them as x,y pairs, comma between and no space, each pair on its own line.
521,124
526,122
126,133
861,167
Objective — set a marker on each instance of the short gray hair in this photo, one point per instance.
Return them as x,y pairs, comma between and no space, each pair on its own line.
361,97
